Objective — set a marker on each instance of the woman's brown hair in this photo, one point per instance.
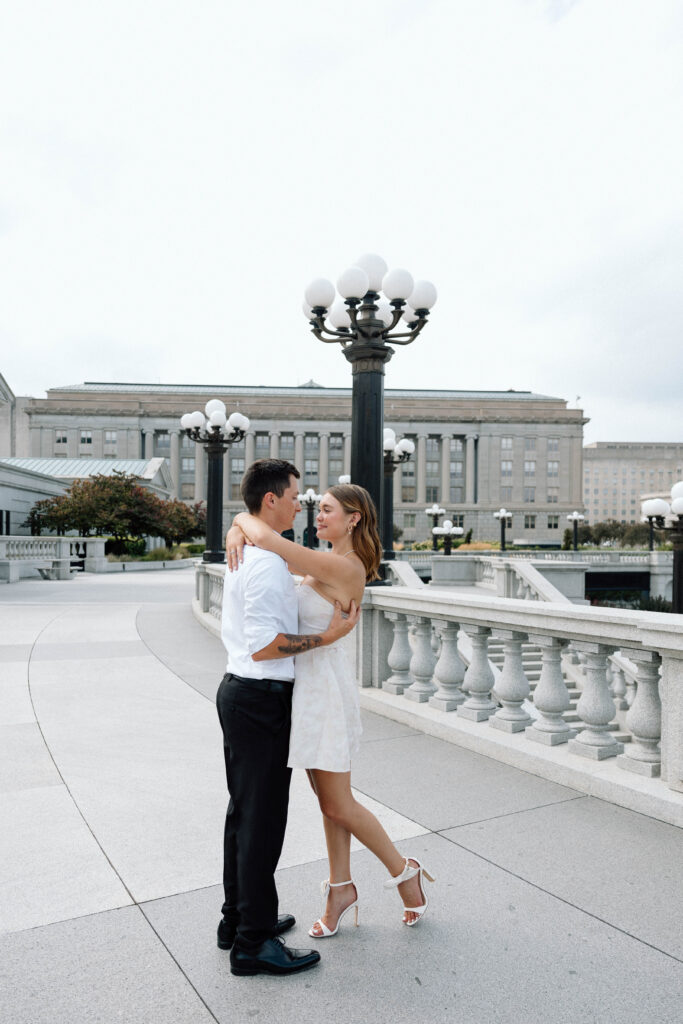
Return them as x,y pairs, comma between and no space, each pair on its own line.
364,536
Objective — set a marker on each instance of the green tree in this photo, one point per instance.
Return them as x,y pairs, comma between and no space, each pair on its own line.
182,522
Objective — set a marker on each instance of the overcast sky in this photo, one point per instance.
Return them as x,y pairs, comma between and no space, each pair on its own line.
173,173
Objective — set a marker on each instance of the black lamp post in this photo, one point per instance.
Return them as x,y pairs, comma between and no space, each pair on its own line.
395,452
656,509
435,512
215,432
505,518
575,518
362,323
448,532
309,500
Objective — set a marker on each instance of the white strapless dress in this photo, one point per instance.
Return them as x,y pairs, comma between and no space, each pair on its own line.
326,727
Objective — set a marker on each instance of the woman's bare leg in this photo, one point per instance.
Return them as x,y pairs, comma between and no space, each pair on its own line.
342,816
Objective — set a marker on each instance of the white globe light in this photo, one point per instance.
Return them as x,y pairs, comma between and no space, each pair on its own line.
409,315
423,295
375,267
397,284
320,293
237,421
198,419
677,490
217,418
215,405
186,421
408,445
448,524
308,312
353,283
344,479
389,432
389,444
339,316
385,312
677,506
655,507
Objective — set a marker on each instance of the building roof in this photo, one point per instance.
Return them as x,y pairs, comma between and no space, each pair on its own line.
77,469
305,389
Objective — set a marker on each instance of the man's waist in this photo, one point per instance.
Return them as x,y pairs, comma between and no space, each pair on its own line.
267,685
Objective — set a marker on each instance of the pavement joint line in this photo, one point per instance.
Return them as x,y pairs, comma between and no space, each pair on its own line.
561,899
510,814
175,961
52,758
162,662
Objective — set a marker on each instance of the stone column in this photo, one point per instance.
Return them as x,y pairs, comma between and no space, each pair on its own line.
644,718
199,485
445,495
175,463
512,687
299,455
323,462
422,662
275,444
449,673
148,433
479,678
469,468
347,455
551,697
249,449
595,707
421,469
399,656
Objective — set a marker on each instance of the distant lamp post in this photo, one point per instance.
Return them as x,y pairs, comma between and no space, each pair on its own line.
435,512
395,452
654,511
658,508
215,432
448,532
505,518
365,325
575,518
309,500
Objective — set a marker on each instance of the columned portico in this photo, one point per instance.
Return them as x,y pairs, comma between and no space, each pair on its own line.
445,495
175,462
299,450
275,444
421,466
323,461
470,440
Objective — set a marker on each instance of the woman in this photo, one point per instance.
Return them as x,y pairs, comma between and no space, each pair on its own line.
326,725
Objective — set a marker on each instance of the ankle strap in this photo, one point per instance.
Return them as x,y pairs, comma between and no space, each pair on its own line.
408,872
335,885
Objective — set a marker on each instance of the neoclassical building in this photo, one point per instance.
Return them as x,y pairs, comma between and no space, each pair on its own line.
475,450
618,475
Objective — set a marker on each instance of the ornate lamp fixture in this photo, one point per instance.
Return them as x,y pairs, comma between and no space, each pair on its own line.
309,501
395,452
215,432
657,509
448,532
575,518
435,512
505,518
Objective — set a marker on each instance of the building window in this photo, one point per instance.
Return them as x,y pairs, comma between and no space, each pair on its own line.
456,444
553,495
456,494
187,442
262,444
553,522
187,490
311,444
529,495
553,444
163,438
458,519
529,444
86,437
553,468
310,473
506,444
287,447
409,520
506,468
432,492
506,494
408,482
187,465
456,468
110,437
529,468
529,522
236,474
60,437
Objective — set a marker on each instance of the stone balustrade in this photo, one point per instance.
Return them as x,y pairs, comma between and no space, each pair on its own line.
52,556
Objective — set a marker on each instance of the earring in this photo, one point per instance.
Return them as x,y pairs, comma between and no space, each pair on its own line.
350,529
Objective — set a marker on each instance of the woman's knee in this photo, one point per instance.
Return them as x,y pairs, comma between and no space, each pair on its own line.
337,811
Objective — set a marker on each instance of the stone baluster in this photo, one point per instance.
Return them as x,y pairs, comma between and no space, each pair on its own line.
449,672
631,689
422,661
595,707
512,688
618,689
479,678
644,718
519,593
551,697
399,656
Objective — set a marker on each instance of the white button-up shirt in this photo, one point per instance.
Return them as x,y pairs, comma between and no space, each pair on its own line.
259,601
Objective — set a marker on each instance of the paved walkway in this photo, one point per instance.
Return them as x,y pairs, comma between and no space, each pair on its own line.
549,906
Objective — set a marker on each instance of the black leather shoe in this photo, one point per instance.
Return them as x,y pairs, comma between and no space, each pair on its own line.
272,957
227,930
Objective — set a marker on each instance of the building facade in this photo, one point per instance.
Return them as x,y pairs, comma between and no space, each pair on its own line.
475,450
618,476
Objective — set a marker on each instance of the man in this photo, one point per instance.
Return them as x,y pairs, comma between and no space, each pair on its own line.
259,630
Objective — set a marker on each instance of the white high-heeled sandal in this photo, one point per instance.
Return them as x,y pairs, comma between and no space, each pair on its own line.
324,889
409,872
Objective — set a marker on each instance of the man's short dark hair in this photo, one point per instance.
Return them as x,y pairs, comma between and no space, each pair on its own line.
264,476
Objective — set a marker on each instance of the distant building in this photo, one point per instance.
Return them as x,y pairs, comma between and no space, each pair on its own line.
475,450
618,476
20,489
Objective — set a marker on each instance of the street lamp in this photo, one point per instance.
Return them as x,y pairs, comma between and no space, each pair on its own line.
395,452
344,479
215,432
435,512
654,510
505,520
309,500
448,532
675,531
362,322
575,518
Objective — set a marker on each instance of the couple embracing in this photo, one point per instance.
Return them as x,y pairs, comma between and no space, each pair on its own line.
289,700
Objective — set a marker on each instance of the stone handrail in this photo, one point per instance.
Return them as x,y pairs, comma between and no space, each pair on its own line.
53,553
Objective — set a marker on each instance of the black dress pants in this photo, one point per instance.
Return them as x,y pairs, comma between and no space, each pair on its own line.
255,723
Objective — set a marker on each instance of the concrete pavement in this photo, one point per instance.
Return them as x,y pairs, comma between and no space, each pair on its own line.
549,906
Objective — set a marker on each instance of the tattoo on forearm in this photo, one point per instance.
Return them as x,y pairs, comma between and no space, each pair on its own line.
299,644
